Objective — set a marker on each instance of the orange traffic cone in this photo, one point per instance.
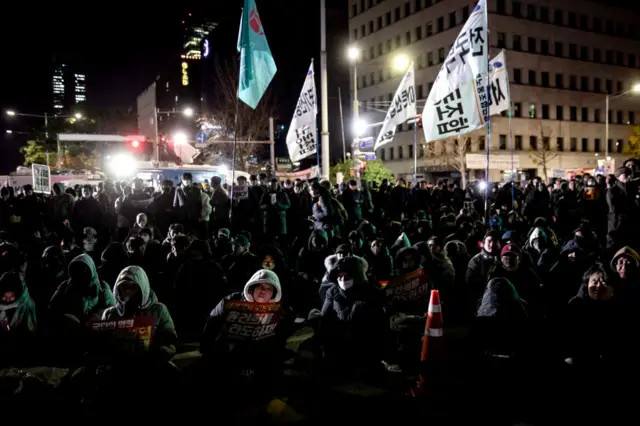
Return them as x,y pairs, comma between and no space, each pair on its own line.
432,343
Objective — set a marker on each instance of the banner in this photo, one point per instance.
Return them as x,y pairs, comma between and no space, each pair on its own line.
402,108
499,83
310,173
457,103
413,286
133,332
41,175
301,137
251,321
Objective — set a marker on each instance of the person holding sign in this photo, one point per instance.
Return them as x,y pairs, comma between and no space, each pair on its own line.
245,332
135,299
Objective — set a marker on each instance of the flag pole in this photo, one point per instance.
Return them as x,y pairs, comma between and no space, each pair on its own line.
488,118
235,126
415,151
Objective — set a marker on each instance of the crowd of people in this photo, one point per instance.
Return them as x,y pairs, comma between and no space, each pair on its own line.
334,258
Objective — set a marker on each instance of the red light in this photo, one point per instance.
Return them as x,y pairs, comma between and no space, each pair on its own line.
135,144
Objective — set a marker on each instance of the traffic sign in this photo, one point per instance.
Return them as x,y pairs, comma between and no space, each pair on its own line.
367,157
201,140
366,143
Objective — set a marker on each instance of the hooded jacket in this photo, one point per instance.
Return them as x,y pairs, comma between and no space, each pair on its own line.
18,316
329,263
164,333
70,298
215,339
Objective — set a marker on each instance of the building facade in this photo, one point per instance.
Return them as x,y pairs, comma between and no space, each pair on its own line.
563,57
68,87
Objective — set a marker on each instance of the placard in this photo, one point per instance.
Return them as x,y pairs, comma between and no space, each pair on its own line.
250,320
411,287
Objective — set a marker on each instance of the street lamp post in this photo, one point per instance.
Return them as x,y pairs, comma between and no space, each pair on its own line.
353,54
608,99
45,116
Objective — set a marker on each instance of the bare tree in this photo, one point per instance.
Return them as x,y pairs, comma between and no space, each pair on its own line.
458,156
251,125
542,154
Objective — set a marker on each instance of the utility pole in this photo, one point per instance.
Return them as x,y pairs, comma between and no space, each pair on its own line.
323,91
344,149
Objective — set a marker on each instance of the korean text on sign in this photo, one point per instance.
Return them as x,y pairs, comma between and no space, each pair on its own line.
410,287
251,321
468,42
137,329
451,114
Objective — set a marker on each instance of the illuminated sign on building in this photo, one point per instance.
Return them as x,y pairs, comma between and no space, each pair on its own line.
205,48
185,74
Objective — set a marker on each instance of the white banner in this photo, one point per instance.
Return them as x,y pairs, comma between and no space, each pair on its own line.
496,162
499,84
402,108
301,138
458,102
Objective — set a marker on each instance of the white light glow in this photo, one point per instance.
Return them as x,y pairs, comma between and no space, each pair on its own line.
77,115
223,169
9,131
11,113
188,112
353,53
180,138
401,63
636,88
360,127
483,185
123,165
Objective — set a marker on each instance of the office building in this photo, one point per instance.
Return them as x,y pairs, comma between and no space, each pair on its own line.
68,87
563,58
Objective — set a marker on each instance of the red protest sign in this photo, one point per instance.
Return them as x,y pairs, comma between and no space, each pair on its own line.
137,330
251,321
413,286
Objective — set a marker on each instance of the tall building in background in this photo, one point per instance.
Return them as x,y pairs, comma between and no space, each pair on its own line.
69,87
563,58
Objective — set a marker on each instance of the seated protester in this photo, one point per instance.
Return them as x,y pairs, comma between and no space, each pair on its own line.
175,230
263,357
176,257
330,262
380,261
90,244
135,298
83,297
595,325
353,318
17,319
499,326
625,266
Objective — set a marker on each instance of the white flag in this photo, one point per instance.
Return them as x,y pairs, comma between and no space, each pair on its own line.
402,108
457,103
499,84
301,137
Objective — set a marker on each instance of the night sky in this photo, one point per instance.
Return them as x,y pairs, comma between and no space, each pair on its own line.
122,49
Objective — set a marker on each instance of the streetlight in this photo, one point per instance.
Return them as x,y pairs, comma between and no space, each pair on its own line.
635,89
353,53
401,63
360,127
11,113
188,112
77,116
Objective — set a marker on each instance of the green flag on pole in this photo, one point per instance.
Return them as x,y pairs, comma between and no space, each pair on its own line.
257,66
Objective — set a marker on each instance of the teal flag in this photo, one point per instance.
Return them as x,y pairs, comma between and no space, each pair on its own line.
257,66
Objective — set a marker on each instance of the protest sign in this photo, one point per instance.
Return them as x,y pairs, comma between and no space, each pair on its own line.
134,331
240,192
410,287
251,321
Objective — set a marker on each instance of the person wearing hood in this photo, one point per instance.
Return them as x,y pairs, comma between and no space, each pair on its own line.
83,296
500,319
263,357
541,252
44,277
343,251
135,298
441,271
17,319
477,274
625,266
353,318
